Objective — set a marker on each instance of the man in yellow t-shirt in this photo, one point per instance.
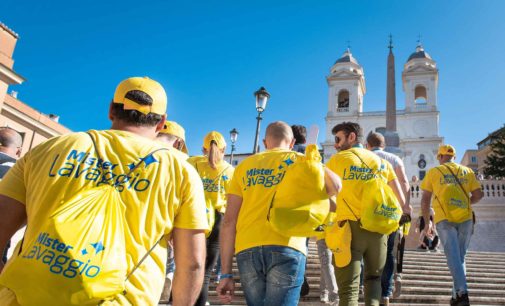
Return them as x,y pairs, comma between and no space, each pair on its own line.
355,165
174,136
162,196
271,265
454,188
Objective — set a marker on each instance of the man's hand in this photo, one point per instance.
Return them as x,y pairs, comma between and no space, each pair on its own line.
226,290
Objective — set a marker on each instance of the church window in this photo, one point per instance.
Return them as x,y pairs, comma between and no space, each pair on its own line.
420,95
343,101
422,174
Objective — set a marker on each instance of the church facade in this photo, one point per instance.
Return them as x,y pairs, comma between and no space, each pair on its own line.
417,124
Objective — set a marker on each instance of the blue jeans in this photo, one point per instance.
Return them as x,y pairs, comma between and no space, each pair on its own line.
389,267
456,238
271,275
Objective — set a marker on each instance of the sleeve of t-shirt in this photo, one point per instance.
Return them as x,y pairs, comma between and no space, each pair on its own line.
426,184
235,186
331,164
229,174
13,184
391,172
192,211
472,181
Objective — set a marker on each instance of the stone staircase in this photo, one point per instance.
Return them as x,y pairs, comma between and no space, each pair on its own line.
426,279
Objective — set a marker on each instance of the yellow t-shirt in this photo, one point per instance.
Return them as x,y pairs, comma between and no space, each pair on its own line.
439,184
353,173
162,193
255,181
215,181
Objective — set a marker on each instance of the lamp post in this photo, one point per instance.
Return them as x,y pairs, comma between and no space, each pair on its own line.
233,139
262,97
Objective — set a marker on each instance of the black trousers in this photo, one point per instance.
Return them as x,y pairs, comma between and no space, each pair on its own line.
211,258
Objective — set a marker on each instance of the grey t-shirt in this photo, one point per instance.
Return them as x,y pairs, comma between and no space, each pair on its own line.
6,162
393,159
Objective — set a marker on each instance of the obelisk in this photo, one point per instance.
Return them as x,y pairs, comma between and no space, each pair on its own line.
391,135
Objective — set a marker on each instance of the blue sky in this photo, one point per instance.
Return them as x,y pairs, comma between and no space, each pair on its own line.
212,55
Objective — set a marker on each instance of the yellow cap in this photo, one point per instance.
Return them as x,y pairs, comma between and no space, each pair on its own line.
153,89
173,128
214,136
446,150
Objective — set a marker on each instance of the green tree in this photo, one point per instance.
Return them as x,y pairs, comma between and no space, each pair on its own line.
495,161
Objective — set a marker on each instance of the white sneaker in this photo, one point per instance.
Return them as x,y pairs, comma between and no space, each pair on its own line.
323,297
397,291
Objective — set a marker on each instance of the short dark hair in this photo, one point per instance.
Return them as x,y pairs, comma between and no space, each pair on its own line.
376,140
10,138
348,128
135,117
299,133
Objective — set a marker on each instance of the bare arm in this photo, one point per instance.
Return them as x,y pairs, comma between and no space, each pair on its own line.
189,248
12,218
477,194
405,187
332,182
399,193
425,208
226,287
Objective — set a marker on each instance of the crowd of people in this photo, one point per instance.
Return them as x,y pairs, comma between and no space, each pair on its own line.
176,216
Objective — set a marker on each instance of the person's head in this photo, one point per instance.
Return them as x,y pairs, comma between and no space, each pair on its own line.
279,135
415,178
299,133
10,142
174,135
139,104
375,140
214,146
446,153
347,134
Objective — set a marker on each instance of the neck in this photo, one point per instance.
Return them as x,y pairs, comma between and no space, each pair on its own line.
148,132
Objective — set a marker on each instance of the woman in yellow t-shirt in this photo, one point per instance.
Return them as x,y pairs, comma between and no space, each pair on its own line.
216,175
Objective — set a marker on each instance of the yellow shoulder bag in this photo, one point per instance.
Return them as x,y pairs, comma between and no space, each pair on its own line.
300,204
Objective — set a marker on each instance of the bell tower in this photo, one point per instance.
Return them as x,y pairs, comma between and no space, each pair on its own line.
346,84
420,82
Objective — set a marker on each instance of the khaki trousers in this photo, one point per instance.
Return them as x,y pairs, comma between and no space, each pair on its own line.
370,247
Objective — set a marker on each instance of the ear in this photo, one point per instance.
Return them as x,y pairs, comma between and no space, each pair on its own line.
111,117
352,137
161,124
292,144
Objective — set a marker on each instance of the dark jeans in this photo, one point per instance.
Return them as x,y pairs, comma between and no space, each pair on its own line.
389,267
211,259
4,254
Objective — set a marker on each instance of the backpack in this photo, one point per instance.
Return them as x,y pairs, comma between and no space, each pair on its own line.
454,201
300,204
79,256
381,210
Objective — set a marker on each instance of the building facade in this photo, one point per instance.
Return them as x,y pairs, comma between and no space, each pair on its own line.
34,126
417,124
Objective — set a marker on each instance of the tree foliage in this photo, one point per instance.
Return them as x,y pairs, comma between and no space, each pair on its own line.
495,161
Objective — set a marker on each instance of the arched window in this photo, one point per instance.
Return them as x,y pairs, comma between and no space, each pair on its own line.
420,95
343,100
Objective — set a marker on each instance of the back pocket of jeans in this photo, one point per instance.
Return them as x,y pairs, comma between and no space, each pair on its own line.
284,269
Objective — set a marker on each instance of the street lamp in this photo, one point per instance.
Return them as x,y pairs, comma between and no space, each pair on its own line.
233,138
262,97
